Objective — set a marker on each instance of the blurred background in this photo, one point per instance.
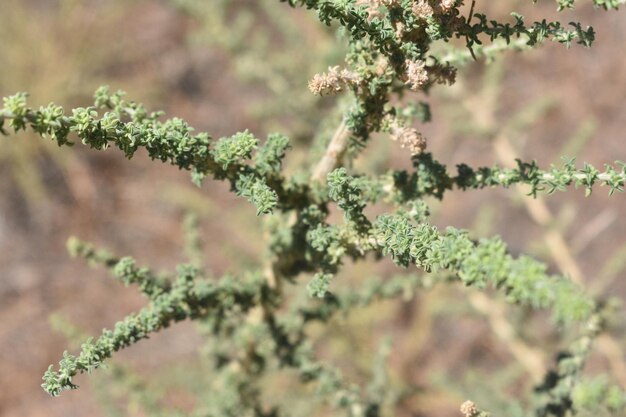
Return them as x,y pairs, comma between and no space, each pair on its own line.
229,65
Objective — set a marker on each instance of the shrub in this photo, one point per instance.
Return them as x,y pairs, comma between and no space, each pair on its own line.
257,324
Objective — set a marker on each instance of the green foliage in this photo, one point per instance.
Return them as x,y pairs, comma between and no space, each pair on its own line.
432,178
235,149
318,287
594,394
255,327
129,127
257,192
186,298
269,157
523,280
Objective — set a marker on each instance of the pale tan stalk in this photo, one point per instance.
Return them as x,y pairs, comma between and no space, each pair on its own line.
334,153
530,357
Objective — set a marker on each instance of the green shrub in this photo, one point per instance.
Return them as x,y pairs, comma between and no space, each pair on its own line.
258,322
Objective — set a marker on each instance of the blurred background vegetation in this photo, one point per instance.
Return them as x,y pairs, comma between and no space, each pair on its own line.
227,65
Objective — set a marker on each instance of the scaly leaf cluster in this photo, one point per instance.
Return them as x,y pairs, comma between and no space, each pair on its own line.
129,127
188,297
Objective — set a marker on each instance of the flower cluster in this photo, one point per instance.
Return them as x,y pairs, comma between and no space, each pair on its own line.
332,82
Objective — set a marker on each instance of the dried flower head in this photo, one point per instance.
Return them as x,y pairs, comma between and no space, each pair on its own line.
422,9
447,5
332,82
409,138
374,5
469,409
416,74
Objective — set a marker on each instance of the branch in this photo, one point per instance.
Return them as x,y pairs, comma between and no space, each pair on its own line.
187,298
334,153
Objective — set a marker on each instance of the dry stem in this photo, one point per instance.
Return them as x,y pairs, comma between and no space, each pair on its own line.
531,358
334,153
